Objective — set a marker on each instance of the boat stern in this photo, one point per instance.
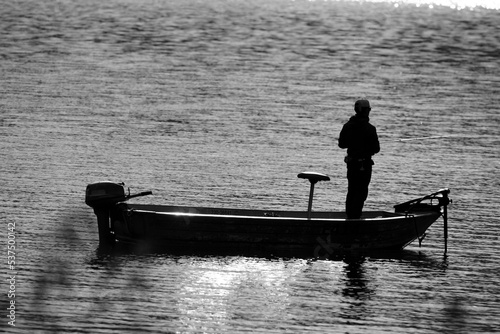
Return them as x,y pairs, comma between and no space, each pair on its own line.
103,197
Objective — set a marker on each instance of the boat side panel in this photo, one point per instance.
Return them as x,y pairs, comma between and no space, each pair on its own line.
395,232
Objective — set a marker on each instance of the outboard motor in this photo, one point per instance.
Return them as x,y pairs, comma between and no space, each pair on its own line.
102,197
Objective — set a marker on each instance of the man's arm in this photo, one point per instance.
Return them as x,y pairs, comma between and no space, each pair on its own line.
375,142
343,138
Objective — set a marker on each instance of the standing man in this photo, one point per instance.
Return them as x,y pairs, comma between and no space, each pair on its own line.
361,140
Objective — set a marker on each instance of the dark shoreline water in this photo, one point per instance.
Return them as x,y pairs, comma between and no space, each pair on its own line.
222,103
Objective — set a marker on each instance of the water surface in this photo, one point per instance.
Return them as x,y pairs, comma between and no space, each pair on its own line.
222,103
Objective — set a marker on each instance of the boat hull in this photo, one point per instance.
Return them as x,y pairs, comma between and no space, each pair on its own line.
189,229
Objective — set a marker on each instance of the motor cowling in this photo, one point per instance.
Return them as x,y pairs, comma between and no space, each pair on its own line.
102,194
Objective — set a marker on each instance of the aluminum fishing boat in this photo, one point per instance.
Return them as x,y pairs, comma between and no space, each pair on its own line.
226,230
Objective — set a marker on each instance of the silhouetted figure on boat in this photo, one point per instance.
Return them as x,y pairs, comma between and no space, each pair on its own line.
361,140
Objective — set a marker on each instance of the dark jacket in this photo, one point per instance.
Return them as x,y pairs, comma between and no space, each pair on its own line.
359,137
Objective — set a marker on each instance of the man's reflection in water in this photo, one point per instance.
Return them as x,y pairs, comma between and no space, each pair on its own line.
356,291
355,283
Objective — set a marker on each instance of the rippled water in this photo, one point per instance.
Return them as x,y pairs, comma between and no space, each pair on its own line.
222,103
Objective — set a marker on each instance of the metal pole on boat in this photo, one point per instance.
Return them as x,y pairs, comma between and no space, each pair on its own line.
445,219
311,195
444,201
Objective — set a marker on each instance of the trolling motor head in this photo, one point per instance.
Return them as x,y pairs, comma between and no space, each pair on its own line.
441,196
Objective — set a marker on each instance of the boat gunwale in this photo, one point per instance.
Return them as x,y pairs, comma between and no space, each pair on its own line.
392,216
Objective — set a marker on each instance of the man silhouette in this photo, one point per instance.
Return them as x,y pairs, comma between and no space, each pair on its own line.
360,139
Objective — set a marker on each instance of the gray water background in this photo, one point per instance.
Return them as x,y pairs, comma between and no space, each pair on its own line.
222,103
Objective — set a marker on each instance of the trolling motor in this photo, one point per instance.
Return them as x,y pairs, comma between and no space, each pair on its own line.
102,197
416,205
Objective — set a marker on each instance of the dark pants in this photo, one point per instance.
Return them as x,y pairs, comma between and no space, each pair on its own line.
358,178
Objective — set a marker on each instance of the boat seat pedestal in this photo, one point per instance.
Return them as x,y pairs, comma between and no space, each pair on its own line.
313,178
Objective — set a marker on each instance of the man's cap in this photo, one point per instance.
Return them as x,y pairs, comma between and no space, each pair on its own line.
362,105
